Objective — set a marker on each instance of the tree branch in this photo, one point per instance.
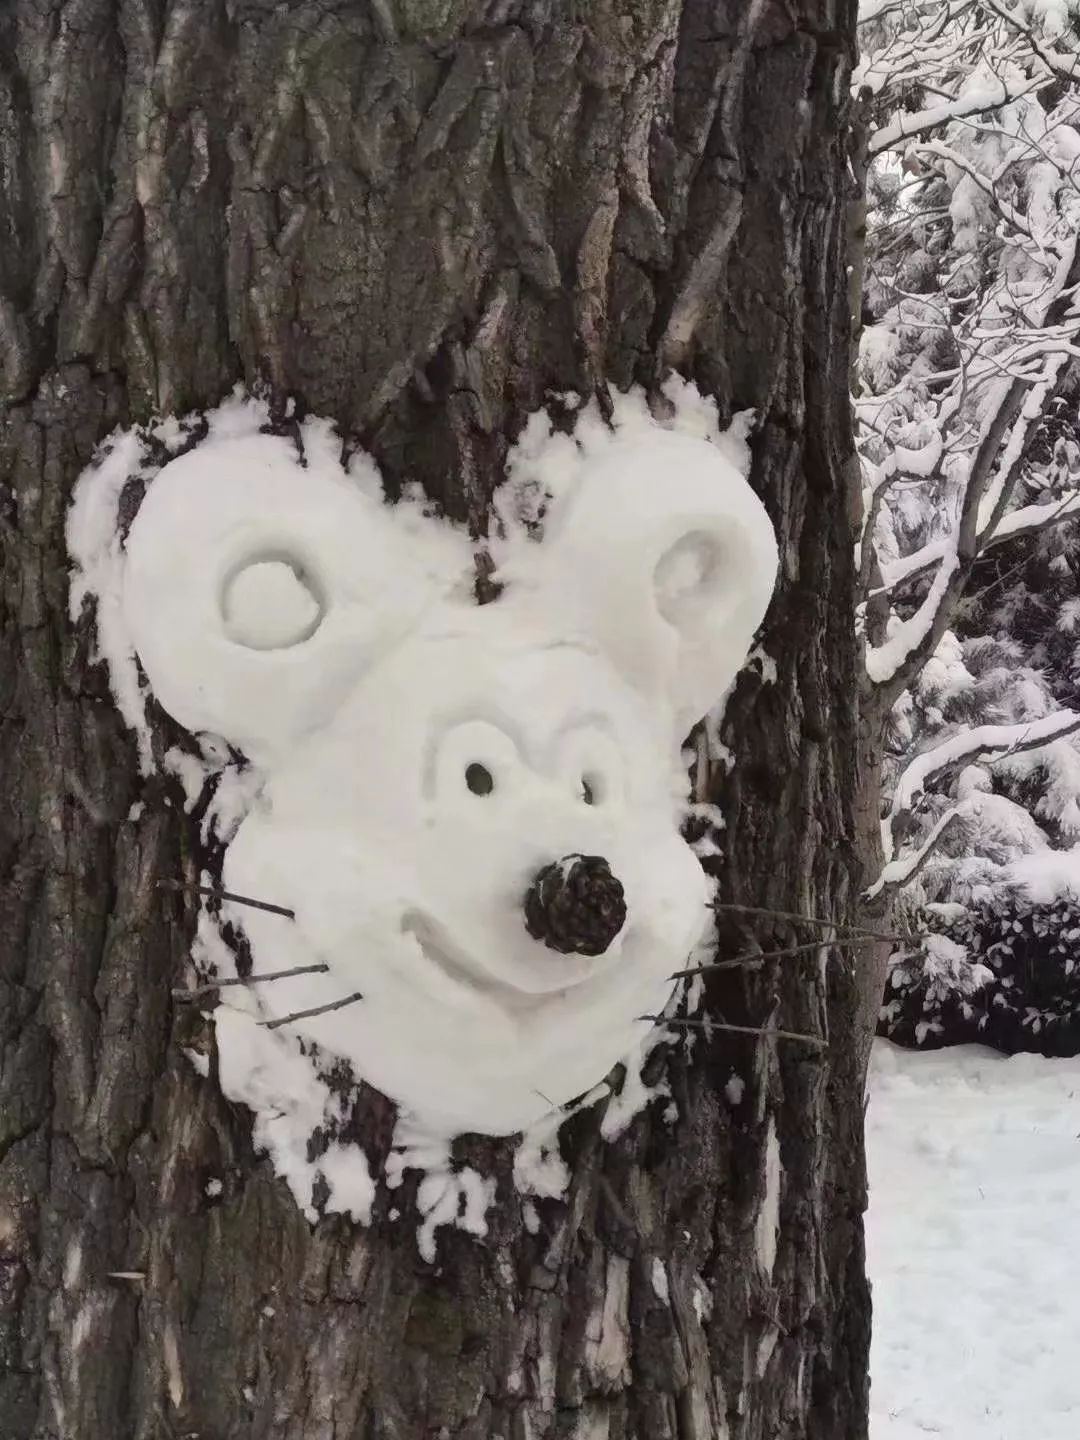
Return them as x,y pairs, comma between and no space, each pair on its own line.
892,665
904,869
1062,63
981,742
909,127
1028,520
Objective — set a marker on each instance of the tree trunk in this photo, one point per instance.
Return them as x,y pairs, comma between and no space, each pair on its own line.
422,219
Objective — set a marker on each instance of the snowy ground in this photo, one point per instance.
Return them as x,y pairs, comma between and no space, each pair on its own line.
974,1245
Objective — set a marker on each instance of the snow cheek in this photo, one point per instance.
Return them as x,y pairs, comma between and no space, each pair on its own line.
668,892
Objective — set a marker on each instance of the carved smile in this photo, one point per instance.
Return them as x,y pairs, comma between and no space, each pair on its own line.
441,952
438,951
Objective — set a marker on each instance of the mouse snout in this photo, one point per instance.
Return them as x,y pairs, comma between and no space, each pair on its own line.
575,905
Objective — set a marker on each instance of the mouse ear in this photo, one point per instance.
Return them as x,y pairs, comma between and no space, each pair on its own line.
256,589
664,556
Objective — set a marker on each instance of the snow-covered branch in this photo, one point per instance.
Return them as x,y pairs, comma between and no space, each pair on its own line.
904,869
1028,520
1064,63
968,433
982,742
892,664
975,102
988,184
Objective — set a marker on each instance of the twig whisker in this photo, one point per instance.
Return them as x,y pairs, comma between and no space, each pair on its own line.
212,986
798,919
751,956
192,888
707,1023
315,1010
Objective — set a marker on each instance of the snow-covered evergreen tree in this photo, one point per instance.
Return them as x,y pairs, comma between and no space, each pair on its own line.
967,406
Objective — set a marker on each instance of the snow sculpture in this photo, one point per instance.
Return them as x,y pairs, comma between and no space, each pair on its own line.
472,810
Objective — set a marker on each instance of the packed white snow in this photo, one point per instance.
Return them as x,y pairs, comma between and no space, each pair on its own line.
973,1238
1048,875
416,759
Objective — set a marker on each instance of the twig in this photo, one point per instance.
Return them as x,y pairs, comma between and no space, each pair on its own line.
801,919
710,1024
751,957
767,1315
215,985
315,1010
901,870
616,1204
191,888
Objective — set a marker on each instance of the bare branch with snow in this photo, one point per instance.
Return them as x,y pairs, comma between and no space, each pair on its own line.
904,869
982,742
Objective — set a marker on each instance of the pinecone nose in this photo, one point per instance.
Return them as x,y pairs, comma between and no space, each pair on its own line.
576,905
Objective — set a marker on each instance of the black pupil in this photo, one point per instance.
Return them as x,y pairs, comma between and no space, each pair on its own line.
479,779
587,792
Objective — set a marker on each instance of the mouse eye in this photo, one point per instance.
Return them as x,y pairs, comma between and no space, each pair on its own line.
591,765
475,759
479,779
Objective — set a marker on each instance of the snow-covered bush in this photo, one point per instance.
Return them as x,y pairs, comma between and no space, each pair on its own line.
1004,971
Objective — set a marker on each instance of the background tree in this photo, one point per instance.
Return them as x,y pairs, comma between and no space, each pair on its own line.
967,421
424,221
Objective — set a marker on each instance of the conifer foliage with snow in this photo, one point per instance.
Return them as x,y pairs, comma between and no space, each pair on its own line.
966,396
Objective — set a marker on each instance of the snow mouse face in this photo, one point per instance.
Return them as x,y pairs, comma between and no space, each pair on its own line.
474,812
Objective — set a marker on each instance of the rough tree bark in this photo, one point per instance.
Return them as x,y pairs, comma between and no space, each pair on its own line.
421,217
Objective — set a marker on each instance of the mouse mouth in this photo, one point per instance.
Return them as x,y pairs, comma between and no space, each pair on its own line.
439,950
